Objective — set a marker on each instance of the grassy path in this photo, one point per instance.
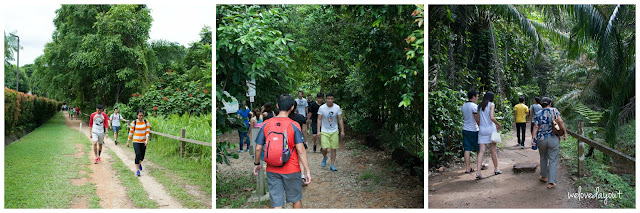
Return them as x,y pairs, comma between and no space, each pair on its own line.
156,193
39,170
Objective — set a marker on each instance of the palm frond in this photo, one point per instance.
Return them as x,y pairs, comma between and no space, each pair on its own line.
570,96
628,112
553,34
513,15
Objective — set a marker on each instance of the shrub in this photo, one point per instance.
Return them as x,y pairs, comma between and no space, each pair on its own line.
23,110
445,125
173,94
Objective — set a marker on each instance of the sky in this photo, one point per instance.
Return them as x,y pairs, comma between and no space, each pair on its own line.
172,22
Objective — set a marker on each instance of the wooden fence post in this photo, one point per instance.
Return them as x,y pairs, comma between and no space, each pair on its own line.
580,150
182,143
260,177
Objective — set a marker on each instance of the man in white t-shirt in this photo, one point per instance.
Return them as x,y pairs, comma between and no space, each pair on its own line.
303,107
330,115
470,128
115,119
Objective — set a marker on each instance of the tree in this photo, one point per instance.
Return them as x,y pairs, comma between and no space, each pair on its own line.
248,46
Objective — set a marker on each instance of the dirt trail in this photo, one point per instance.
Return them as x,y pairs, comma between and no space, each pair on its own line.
108,187
387,186
455,189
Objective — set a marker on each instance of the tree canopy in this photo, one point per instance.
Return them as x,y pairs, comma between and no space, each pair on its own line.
370,57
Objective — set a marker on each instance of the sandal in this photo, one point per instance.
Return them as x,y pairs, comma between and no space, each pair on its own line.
543,179
497,172
470,171
551,186
478,177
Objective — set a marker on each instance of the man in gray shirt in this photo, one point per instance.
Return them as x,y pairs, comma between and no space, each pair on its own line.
535,108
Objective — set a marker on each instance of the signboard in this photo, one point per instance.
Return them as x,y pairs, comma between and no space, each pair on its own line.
252,88
231,107
251,99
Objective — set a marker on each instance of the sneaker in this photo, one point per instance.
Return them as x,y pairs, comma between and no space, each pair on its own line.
314,148
116,142
522,147
324,162
240,151
140,167
333,168
96,161
138,173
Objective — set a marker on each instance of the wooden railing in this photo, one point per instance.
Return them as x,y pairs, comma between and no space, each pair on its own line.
626,160
182,138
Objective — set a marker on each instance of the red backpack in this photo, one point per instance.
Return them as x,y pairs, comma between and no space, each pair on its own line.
277,151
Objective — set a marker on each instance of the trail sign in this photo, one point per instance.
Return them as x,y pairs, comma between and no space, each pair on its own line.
252,88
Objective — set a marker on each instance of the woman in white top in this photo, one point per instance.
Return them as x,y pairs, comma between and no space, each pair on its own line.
487,125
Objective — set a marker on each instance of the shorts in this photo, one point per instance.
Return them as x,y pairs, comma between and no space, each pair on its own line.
116,129
283,186
314,126
97,138
329,140
470,141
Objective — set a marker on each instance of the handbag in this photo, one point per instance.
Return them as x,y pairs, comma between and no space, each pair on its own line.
495,137
556,128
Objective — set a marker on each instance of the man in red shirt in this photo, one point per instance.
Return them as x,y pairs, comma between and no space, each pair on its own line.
284,180
99,123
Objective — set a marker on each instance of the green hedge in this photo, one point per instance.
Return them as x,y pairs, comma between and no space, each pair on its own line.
22,110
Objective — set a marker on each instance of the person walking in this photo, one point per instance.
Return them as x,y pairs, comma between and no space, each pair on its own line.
255,123
71,113
488,124
244,126
267,111
535,108
282,140
297,117
330,114
470,128
547,142
520,112
309,101
313,117
139,132
99,123
303,107
114,123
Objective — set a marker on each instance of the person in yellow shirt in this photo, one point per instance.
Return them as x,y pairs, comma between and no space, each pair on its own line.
520,112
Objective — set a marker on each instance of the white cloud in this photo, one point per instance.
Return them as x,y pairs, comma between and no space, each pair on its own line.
172,22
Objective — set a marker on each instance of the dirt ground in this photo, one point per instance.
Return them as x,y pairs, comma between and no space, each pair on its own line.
455,189
110,190
388,186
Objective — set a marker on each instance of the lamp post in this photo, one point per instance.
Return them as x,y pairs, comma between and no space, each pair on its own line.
18,62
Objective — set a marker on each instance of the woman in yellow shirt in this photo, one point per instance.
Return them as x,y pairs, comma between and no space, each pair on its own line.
139,133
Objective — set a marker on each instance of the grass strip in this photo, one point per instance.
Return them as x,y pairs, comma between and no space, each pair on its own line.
38,168
135,191
176,190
